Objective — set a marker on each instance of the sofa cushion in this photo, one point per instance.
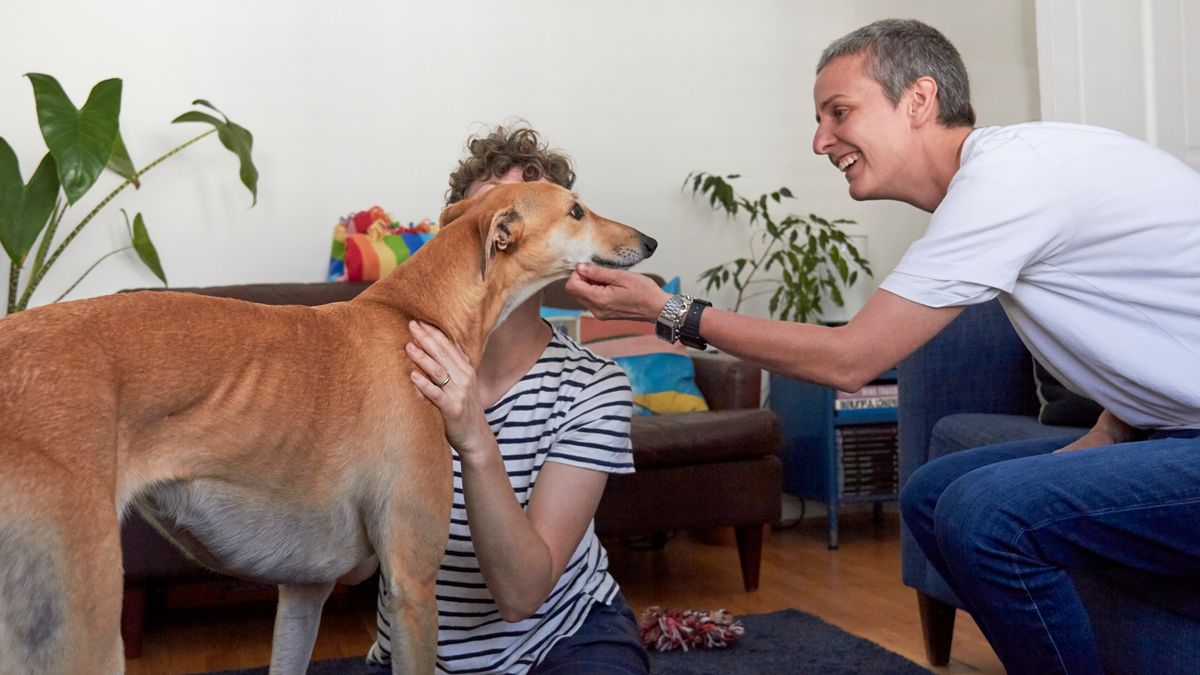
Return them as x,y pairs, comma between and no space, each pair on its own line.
697,438
696,496
975,430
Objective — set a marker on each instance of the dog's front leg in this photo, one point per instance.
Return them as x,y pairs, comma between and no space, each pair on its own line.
414,625
296,621
410,566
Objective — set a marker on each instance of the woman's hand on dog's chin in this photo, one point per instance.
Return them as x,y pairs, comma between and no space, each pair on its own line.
436,357
616,294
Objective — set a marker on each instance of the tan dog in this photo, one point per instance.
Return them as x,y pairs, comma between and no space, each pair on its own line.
279,444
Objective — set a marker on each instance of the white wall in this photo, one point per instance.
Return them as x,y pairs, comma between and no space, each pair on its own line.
360,103
1130,66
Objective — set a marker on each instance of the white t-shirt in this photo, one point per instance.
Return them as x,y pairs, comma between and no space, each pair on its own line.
571,407
1091,240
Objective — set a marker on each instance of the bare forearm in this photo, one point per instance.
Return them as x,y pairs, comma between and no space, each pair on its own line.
516,563
887,329
804,351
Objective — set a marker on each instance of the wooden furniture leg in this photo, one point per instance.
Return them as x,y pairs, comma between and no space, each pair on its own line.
937,625
749,545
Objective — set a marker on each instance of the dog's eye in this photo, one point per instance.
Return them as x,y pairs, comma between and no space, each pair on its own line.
577,212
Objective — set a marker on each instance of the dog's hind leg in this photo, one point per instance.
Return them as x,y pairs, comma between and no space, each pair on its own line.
60,581
296,621
32,611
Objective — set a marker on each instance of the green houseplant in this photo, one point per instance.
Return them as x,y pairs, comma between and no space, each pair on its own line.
812,258
82,143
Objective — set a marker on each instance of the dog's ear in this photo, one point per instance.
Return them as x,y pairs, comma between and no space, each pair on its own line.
498,234
453,211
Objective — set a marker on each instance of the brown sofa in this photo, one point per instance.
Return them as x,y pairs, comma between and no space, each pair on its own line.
694,471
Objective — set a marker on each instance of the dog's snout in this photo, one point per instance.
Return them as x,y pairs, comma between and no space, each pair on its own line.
649,243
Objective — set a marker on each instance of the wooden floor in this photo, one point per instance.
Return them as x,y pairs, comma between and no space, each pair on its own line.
856,587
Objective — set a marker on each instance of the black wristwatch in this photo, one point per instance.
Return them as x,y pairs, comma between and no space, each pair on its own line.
689,332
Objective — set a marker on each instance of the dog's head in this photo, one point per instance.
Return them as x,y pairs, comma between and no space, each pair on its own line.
534,233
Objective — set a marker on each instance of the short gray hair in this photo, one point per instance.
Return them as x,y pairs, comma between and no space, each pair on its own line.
899,51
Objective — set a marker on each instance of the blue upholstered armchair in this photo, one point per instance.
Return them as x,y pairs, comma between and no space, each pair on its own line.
971,386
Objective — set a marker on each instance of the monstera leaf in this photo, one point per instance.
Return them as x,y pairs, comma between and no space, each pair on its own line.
24,208
145,248
120,163
81,140
84,142
237,139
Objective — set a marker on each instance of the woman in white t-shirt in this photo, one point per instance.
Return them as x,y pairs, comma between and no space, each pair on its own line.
536,429
1091,242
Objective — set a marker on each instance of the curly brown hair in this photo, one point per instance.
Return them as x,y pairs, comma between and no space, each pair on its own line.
501,149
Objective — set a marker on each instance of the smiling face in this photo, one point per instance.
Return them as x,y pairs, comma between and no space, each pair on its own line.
866,137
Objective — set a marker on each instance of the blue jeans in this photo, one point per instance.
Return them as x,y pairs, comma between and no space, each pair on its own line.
607,643
1004,523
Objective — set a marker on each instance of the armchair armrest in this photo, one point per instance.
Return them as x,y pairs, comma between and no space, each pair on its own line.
976,364
727,383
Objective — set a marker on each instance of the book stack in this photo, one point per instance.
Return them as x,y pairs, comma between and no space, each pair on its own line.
867,460
870,397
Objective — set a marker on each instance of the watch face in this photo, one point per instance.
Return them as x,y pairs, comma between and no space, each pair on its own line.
665,326
663,332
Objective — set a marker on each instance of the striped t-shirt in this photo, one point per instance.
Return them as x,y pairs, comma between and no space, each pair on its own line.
571,407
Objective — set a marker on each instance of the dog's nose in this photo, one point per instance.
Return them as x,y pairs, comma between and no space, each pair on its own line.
650,243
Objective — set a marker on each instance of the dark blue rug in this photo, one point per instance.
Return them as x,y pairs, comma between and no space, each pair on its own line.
789,641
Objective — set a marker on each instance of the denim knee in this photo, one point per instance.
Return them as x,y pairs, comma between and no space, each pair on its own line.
919,496
974,516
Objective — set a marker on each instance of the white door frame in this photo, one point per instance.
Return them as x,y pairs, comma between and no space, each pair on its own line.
1132,65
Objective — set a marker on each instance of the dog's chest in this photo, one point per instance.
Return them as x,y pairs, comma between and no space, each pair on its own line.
247,534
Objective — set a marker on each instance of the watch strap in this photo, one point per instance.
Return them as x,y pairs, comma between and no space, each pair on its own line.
689,331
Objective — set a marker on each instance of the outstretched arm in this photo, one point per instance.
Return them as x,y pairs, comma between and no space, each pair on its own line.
887,329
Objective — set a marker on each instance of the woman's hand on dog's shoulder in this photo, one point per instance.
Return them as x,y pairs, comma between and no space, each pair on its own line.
616,294
439,360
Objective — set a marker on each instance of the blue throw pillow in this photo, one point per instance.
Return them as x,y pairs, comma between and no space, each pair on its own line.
662,376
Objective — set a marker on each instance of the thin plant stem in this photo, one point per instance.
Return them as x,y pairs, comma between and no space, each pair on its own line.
60,209
89,270
757,295
36,279
14,276
753,270
14,273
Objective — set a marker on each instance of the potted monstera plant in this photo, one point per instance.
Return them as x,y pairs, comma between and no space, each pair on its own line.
799,261
81,144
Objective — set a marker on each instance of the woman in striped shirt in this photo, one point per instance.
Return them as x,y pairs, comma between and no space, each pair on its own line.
536,429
